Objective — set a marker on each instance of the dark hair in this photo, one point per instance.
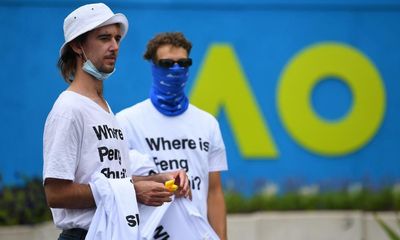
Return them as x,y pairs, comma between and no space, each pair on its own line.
176,39
67,61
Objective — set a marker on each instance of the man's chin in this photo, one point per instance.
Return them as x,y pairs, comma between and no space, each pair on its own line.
107,69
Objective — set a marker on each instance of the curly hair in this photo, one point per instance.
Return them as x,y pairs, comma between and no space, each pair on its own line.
176,39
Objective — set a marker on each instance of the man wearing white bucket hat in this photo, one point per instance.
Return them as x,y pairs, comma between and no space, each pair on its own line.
81,138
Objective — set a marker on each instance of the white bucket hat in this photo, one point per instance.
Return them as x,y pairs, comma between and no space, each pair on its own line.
89,17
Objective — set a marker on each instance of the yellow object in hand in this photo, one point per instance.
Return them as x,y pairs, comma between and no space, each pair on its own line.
170,185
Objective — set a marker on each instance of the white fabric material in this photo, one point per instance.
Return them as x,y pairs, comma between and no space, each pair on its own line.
141,164
191,141
178,220
117,215
81,139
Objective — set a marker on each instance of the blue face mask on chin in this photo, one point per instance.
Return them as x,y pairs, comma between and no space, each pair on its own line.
92,70
89,68
167,92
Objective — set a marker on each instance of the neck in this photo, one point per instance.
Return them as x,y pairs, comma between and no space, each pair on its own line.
88,86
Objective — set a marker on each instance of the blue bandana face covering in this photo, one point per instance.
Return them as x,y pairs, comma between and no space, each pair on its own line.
167,92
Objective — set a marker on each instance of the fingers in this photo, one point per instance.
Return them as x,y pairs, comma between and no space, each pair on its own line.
183,178
186,187
152,193
189,195
182,181
181,193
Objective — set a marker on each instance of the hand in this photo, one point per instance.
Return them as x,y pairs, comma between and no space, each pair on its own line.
151,193
182,180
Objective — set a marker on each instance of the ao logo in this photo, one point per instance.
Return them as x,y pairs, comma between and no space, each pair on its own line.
295,86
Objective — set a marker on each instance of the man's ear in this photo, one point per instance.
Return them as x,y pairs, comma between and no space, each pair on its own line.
76,47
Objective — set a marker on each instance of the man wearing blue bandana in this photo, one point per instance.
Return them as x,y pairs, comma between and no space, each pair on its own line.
176,134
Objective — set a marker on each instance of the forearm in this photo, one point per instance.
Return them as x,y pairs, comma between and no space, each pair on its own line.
217,213
156,178
67,194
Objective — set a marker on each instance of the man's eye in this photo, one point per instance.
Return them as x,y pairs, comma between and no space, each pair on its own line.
104,37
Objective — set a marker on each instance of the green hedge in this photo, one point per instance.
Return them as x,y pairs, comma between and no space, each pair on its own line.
383,200
25,204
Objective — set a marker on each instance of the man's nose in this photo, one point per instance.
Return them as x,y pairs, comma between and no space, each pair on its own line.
114,45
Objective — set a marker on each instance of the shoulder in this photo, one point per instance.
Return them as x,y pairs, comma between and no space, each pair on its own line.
203,119
200,113
133,111
66,106
66,113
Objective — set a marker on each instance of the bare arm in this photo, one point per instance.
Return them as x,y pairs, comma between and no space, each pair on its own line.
160,178
150,190
62,193
216,205
67,194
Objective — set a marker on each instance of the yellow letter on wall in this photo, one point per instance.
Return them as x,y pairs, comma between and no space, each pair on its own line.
304,71
222,84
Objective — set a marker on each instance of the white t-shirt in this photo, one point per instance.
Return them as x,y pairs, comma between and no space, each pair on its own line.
191,141
81,139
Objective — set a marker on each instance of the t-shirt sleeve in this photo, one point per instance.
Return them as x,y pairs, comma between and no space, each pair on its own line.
123,122
61,143
217,158
141,164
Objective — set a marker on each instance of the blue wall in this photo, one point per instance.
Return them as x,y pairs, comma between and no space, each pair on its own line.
265,36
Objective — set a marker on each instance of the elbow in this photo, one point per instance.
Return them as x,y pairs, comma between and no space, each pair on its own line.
51,200
55,190
52,203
